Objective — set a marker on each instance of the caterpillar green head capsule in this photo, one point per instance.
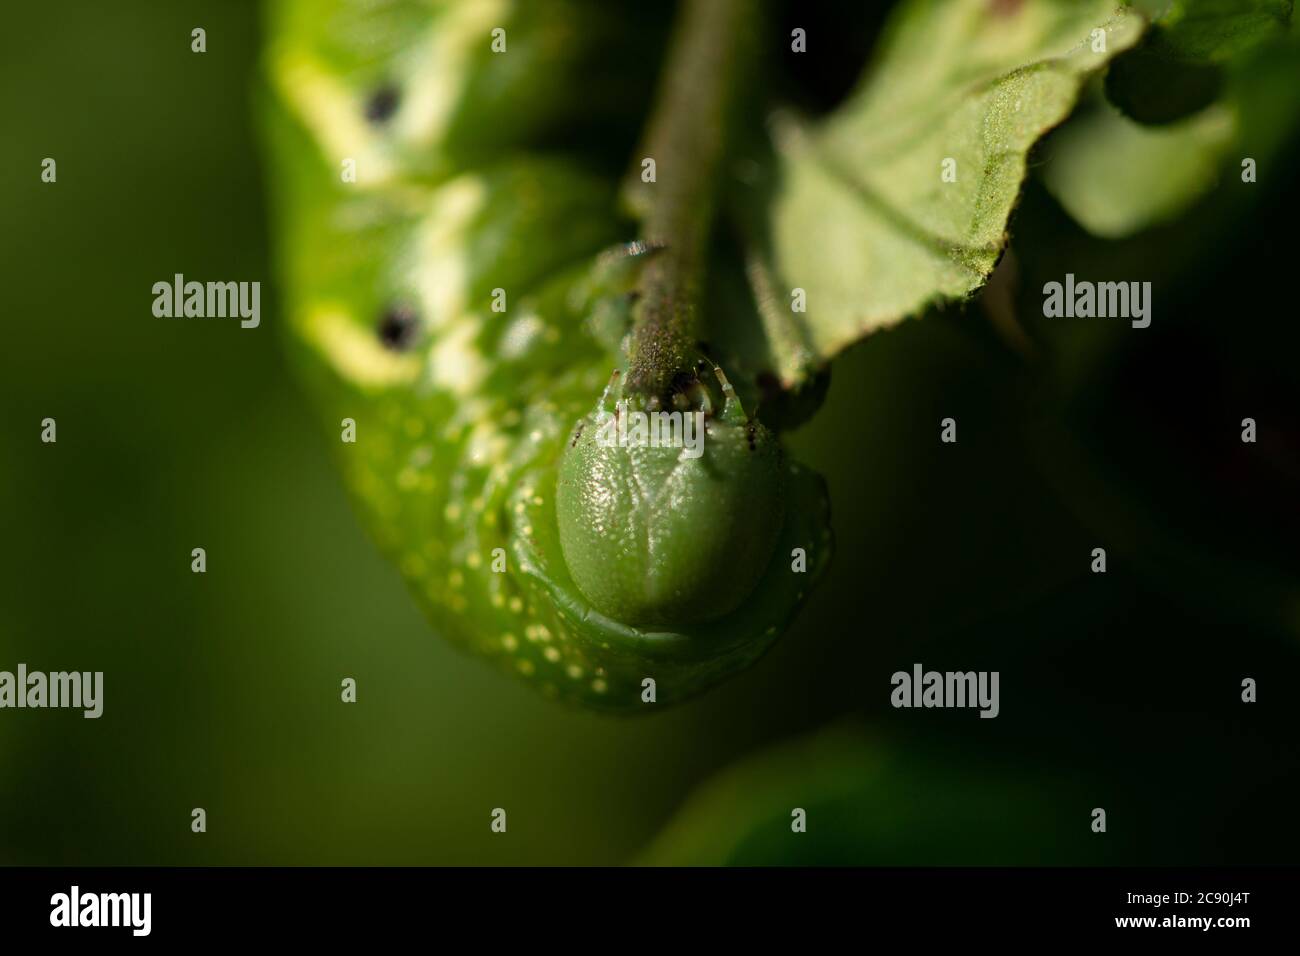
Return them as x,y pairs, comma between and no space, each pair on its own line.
669,510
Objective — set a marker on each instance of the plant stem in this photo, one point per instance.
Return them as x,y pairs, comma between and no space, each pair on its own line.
686,138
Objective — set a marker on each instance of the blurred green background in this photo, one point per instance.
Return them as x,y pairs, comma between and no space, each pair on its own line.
221,690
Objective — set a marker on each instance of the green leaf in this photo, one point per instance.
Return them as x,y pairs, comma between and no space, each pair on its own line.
1178,68
1116,177
858,214
870,803
1217,30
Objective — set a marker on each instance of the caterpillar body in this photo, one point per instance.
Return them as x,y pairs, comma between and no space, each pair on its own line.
446,205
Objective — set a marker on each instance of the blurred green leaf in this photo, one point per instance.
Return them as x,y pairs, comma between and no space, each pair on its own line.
1116,177
1217,30
868,803
1178,68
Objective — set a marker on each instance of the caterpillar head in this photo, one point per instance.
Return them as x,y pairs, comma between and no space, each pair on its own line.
669,511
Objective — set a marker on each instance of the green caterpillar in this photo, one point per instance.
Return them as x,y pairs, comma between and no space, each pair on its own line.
459,277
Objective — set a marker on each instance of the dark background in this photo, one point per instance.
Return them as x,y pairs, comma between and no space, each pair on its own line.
221,690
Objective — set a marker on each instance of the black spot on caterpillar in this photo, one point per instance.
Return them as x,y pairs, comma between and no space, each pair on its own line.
382,104
398,327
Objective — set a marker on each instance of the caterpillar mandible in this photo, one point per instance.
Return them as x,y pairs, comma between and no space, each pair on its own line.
465,277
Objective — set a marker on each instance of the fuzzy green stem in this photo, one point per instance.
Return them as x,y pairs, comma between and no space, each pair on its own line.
686,138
